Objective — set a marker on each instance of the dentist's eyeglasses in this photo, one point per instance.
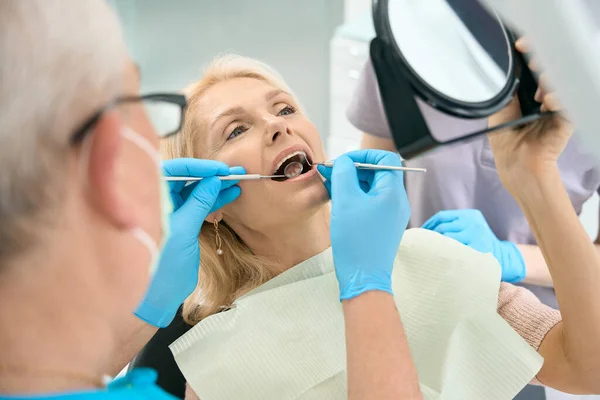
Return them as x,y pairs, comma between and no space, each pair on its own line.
163,110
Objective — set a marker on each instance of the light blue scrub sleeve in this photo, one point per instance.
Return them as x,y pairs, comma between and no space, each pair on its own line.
139,384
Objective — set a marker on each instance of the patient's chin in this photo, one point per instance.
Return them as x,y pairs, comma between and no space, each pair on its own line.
303,198
314,195
271,209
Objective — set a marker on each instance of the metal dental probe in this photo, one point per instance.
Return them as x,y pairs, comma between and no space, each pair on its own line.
249,177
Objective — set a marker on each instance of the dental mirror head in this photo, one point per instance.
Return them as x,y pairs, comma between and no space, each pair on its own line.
438,62
293,169
292,166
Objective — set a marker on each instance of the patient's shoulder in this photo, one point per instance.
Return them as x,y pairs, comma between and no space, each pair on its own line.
432,256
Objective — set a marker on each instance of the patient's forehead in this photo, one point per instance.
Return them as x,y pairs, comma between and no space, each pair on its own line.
245,92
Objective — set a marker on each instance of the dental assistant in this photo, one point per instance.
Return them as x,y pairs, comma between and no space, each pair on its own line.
96,252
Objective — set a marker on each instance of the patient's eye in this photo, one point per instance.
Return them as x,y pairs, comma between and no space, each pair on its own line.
287,110
237,131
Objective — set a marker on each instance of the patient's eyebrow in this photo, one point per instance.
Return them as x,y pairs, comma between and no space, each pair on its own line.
240,110
274,93
229,112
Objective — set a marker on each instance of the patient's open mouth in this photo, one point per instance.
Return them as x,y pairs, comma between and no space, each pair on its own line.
298,163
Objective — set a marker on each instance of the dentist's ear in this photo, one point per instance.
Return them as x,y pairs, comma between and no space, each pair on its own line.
100,169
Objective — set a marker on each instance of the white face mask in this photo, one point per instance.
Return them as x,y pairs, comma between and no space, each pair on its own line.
166,203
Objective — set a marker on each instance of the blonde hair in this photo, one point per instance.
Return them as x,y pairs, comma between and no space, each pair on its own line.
222,278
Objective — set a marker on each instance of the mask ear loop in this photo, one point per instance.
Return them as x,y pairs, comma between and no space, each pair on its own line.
140,234
146,240
143,144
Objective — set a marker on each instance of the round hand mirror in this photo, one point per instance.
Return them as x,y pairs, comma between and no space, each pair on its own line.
455,56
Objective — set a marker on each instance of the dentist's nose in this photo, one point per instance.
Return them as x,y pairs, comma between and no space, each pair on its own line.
275,127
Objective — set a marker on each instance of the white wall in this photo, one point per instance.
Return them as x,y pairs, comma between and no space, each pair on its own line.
172,40
353,9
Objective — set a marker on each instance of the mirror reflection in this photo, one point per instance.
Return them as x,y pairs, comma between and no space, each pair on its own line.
455,46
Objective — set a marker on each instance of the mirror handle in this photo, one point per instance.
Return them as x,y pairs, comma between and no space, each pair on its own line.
527,86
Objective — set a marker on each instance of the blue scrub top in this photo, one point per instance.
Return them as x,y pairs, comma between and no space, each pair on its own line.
137,385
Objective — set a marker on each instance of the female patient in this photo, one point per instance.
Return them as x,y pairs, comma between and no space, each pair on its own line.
242,113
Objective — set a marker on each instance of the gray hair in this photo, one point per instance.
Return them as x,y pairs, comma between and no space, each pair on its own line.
61,60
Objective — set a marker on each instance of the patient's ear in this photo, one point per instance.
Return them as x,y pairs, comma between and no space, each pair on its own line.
214,216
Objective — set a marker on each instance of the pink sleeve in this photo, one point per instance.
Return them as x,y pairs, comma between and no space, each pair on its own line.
530,318
190,394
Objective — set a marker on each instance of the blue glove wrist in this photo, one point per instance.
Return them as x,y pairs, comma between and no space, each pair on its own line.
158,317
360,284
350,294
512,262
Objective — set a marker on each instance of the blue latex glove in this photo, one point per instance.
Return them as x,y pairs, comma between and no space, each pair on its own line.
370,212
177,273
470,228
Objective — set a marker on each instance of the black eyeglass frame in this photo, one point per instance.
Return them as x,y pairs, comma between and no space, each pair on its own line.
173,98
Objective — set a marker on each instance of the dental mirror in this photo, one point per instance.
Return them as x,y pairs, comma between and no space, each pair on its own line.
439,60
293,169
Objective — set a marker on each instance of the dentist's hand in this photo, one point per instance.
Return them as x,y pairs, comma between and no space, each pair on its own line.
471,229
177,273
370,212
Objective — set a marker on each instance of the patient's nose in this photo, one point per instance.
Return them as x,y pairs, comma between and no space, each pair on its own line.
275,128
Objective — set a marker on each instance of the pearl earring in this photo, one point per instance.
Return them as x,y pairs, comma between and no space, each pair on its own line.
218,238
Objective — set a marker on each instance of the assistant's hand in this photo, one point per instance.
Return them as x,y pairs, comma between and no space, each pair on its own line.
177,274
370,212
532,149
470,228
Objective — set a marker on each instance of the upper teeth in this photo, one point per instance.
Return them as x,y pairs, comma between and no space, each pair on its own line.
296,153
